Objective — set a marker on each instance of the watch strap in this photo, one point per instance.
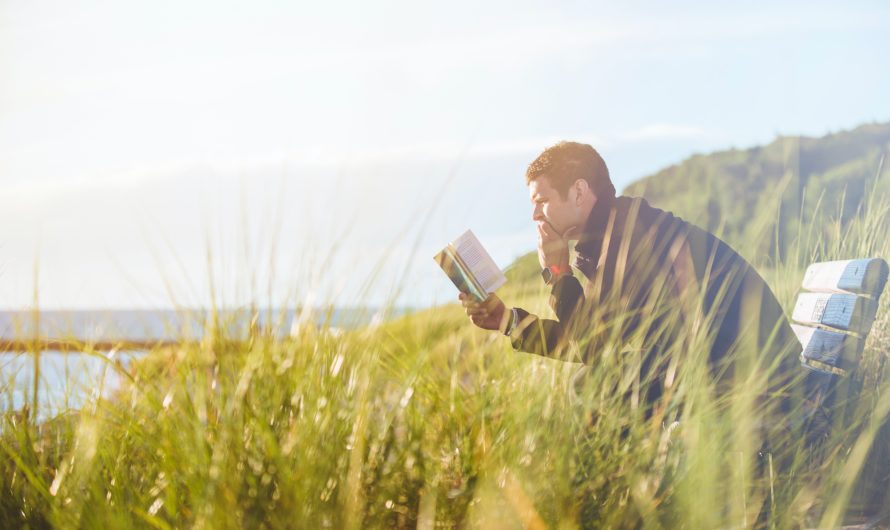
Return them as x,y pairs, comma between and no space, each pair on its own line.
511,324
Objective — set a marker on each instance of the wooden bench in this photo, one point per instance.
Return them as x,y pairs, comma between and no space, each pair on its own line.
835,314
832,318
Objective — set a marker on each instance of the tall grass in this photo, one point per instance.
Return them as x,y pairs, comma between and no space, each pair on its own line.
427,422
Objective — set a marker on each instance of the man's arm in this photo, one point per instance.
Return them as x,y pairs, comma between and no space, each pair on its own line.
526,331
544,336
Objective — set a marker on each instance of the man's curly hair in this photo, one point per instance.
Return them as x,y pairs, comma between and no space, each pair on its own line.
566,162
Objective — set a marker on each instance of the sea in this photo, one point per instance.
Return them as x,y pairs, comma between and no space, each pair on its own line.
70,380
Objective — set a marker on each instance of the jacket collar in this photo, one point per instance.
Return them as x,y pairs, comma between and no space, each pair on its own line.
591,238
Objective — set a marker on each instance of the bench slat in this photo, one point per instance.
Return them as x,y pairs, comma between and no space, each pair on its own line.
835,349
846,312
856,276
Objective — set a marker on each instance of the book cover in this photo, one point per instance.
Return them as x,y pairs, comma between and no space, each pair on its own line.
469,267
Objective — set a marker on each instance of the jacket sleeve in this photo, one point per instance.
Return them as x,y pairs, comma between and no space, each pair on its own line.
544,336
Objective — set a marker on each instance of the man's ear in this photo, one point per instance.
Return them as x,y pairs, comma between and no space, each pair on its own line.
581,186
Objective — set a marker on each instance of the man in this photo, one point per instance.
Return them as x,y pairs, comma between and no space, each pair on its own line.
652,281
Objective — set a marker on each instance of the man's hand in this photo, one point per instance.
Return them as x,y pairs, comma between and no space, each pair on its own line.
491,314
553,249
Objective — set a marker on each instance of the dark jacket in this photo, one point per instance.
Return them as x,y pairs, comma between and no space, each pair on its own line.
647,268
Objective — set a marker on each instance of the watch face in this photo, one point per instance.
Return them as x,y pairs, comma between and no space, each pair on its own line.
547,274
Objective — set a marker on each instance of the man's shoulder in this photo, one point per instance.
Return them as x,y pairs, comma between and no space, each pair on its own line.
647,213
669,223
643,214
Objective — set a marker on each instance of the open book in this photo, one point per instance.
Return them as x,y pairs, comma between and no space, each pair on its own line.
470,267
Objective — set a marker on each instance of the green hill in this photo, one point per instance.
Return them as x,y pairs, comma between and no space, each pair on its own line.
780,184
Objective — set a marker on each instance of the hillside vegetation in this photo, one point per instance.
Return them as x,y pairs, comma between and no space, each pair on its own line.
775,190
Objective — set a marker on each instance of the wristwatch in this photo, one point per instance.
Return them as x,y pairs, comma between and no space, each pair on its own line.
513,319
552,273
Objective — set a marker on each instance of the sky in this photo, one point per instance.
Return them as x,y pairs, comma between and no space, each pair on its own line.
157,154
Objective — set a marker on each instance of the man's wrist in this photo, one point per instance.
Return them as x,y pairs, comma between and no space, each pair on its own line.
552,273
512,318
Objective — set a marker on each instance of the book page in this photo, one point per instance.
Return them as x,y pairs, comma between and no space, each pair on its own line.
477,259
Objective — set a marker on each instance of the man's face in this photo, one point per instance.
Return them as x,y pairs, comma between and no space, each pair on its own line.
562,213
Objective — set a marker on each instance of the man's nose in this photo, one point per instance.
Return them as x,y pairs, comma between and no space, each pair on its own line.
537,214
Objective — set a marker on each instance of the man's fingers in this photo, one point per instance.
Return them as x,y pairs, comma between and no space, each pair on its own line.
481,313
548,239
481,321
477,311
468,301
488,303
547,232
491,303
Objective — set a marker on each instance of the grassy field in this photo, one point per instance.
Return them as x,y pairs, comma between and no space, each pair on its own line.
426,422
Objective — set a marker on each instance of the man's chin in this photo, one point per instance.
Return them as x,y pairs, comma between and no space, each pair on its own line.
571,233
